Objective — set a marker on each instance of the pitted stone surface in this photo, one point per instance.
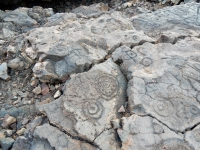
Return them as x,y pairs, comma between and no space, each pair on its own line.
90,101
149,134
58,139
164,81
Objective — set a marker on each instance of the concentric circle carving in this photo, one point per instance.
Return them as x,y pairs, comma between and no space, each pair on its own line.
163,108
107,86
93,110
146,61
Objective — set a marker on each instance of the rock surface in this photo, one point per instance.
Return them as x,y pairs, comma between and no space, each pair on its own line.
58,139
119,78
89,102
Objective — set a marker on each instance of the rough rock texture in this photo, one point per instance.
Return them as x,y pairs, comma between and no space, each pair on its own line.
88,43
4,71
102,79
164,86
149,134
90,101
58,139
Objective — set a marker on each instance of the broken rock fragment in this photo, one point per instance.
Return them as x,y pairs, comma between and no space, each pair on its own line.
8,120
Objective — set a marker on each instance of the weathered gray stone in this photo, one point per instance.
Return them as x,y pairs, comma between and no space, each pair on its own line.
4,71
6,143
31,127
41,145
21,143
149,134
90,101
19,18
59,140
164,81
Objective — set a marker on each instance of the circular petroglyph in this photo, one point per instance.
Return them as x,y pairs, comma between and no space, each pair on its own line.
135,38
93,110
163,108
58,50
194,110
146,61
173,144
107,86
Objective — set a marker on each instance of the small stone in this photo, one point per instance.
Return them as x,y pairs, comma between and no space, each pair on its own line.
6,143
57,94
34,82
8,132
45,88
121,110
37,90
21,131
3,71
8,120
16,64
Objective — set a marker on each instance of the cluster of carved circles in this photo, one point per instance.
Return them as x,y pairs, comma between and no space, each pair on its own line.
87,94
107,86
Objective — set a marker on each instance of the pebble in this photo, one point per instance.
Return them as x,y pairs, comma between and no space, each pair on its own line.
3,71
45,88
37,90
8,120
8,132
57,94
21,131
6,143
121,110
